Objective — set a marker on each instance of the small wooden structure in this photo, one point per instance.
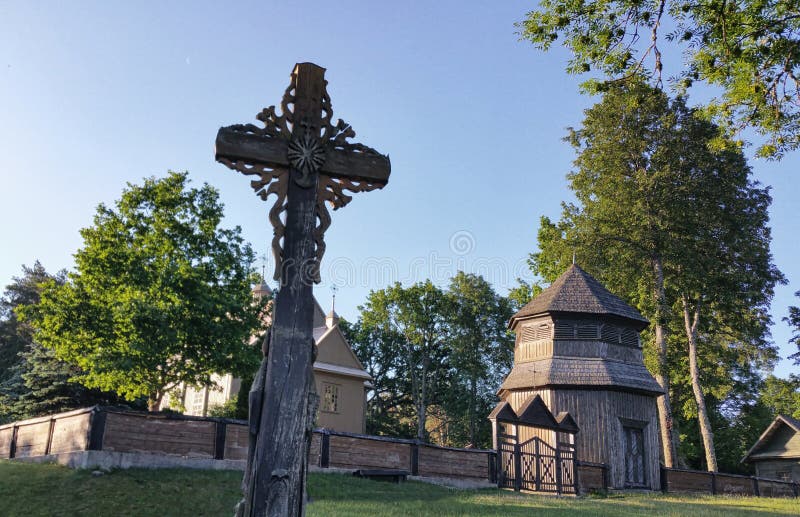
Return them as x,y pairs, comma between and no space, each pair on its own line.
535,450
578,349
776,454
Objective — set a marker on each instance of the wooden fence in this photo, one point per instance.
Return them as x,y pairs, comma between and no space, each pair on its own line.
119,430
114,429
592,477
702,482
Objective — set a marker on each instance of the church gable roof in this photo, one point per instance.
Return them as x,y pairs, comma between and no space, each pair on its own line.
780,440
333,348
577,291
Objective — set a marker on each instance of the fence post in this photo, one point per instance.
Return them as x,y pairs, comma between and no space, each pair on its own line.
756,491
713,483
325,449
221,431
796,489
415,458
492,459
606,482
517,468
498,467
559,477
664,479
12,450
97,430
49,436
537,458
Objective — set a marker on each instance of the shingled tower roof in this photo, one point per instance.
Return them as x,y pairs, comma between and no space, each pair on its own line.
577,291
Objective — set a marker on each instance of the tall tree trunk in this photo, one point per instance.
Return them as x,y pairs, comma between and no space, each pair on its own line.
666,424
473,392
690,324
422,402
154,401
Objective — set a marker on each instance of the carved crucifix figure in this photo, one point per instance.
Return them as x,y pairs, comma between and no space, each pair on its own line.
305,160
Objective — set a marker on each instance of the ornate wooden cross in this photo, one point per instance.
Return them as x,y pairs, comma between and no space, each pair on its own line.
305,160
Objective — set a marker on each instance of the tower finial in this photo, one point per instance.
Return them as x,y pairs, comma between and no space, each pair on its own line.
573,257
263,258
332,319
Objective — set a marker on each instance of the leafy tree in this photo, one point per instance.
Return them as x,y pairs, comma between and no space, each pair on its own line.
390,407
781,396
415,319
36,382
669,218
228,409
522,293
747,49
794,320
15,335
481,350
160,296
436,358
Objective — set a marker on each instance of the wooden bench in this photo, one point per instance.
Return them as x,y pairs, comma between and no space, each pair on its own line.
393,476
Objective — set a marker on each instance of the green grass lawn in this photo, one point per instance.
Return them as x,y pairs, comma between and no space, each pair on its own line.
29,490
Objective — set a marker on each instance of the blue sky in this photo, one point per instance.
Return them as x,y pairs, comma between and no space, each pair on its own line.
94,95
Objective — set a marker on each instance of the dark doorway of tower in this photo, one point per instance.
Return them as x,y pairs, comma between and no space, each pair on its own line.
535,449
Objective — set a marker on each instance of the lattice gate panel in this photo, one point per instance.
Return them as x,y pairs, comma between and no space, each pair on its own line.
536,466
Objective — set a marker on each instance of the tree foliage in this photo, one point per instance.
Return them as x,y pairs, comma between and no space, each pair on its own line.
34,382
160,296
781,396
748,50
669,217
794,321
414,318
481,352
436,358
15,335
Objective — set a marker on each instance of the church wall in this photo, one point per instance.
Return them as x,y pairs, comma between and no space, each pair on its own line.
518,398
349,411
546,435
589,408
630,409
600,416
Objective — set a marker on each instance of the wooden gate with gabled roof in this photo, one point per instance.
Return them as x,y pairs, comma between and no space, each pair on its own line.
535,450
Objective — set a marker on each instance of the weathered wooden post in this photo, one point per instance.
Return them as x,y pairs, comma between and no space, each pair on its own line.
302,158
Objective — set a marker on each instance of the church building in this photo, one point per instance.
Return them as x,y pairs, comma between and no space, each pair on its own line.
341,381
578,349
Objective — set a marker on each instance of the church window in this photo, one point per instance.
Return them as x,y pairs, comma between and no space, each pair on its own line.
610,333
576,330
586,331
536,332
629,337
330,397
198,402
564,330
